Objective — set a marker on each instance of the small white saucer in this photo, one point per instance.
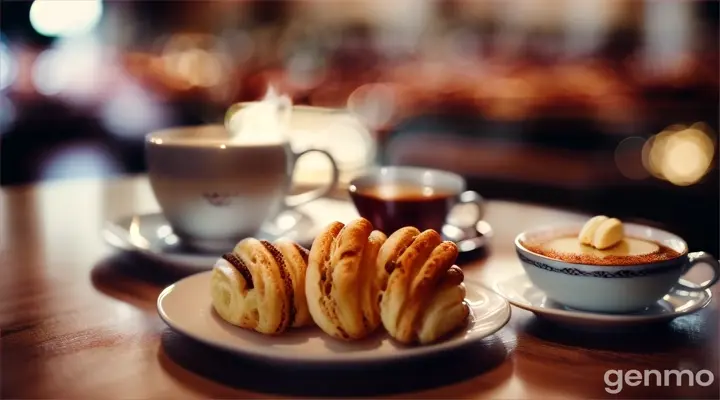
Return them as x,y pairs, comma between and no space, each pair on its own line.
186,306
520,292
152,236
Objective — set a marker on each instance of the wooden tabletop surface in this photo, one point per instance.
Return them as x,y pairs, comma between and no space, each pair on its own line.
79,321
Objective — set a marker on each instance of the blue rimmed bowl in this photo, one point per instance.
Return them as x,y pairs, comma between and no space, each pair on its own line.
610,288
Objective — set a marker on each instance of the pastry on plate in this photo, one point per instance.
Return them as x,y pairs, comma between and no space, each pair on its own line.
340,284
261,286
423,292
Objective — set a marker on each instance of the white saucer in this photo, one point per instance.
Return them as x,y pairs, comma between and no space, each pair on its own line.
150,234
520,292
186,307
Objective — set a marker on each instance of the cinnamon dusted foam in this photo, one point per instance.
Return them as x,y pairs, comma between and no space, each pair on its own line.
629,251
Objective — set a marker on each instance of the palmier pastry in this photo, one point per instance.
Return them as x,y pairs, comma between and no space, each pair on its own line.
423,292
341,285
261,286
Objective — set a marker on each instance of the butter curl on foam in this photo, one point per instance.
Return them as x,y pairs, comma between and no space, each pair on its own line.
602,232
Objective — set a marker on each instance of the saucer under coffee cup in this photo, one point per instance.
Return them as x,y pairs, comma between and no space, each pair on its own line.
393,197
626,285
215,191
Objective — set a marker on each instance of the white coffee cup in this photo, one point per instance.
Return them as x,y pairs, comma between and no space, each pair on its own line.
214,191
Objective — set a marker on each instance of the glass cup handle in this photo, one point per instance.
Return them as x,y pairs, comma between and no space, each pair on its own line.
299,199
700,257
472,197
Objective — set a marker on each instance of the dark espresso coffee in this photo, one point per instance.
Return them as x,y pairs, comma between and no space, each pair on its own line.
392,206
630,251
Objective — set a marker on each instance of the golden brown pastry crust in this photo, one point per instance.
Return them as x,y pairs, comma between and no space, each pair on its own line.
260,286
418,279
340,283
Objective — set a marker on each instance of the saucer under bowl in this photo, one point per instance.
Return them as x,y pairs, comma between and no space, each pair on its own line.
519,291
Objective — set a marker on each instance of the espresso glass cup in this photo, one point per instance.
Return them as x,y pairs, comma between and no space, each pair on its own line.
215,192
611,288
394,197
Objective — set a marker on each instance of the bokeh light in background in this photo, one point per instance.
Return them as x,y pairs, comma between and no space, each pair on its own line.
195,61
305,70
85,160
374,104
132,111
47,77
74,67
8,76
679,154
8,66
7,114
62,18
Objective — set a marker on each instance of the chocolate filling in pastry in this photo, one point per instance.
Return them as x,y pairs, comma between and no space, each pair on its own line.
240,266
287,280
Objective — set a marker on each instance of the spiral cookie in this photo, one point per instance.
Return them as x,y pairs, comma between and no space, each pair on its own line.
261,286
340,284
423,292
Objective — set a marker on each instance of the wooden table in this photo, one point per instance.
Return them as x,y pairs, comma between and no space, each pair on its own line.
80,322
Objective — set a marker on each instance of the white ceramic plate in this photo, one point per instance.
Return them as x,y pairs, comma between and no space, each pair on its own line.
186,307
520,292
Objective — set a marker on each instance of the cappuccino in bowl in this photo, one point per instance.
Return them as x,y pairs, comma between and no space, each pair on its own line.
610,267
629,251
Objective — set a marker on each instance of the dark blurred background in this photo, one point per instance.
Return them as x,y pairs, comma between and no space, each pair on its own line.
599,105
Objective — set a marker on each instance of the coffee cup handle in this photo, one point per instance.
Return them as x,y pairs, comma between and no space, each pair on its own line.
296,200
472,197
700,257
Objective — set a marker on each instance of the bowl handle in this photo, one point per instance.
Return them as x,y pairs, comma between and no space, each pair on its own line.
701,257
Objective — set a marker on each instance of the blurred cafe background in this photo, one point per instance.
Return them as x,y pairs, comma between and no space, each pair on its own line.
596,105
